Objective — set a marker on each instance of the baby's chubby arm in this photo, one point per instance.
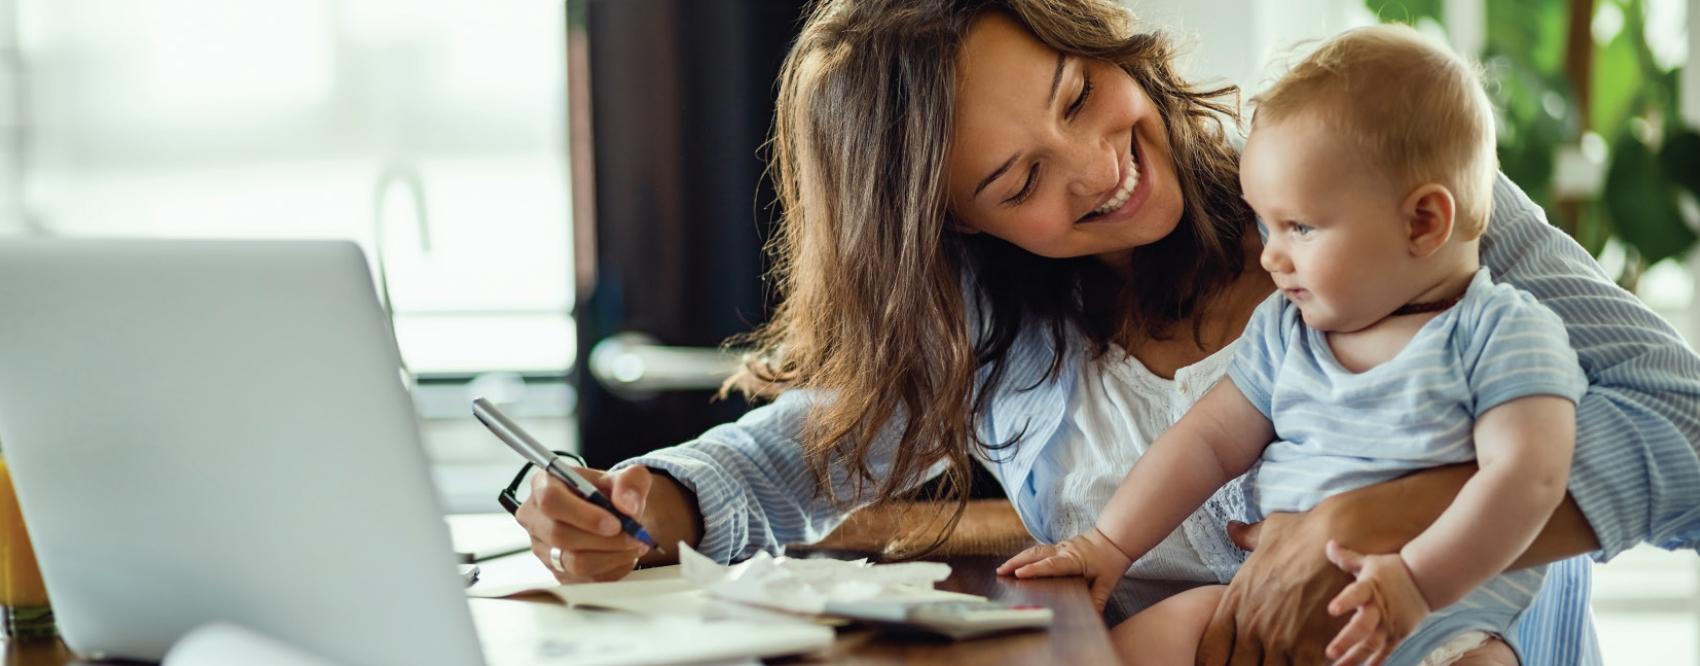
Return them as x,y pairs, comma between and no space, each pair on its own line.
1523,448
1217,440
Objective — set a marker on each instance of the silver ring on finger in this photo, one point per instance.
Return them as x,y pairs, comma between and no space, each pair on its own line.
555,559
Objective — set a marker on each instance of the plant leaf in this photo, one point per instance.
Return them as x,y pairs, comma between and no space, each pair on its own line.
1641,202
1407,11
1680,159
1617,81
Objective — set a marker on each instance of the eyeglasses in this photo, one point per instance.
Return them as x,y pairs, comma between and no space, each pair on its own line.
511,497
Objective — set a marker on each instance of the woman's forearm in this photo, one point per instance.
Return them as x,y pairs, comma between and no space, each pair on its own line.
1382,518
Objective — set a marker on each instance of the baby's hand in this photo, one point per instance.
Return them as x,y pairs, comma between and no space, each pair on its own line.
1090,554
1385,601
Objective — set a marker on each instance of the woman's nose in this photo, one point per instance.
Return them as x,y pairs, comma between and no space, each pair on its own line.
1098,169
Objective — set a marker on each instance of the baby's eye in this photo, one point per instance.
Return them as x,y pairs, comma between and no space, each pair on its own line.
1300,228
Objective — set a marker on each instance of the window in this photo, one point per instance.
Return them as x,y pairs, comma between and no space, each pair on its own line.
387,122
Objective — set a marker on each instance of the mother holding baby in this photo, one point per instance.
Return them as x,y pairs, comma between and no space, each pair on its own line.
1013,236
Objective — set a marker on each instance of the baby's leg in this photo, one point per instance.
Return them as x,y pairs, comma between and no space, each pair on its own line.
1167,633
1492,653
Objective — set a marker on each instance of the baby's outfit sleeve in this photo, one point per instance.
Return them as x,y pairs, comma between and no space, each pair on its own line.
1515,348
1262,347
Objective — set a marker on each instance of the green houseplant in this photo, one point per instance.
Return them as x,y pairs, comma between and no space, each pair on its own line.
1571,104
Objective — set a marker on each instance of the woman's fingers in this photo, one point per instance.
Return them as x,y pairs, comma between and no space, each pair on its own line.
572,538
1025,557
562,505
590,544
628,488
580,566
1365,622
1218,639
1244,535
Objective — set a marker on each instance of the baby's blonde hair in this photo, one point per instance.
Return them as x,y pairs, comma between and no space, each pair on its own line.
1415,109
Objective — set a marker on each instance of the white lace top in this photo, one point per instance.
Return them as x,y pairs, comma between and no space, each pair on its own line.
1119,410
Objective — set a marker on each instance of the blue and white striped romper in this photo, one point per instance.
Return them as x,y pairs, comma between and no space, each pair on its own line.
1336,430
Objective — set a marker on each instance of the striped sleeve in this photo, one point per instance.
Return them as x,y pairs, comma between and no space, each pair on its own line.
1558,629
1636,474
1261,348
752,485
1516,349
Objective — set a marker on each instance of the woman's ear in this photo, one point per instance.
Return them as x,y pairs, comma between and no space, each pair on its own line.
1429,212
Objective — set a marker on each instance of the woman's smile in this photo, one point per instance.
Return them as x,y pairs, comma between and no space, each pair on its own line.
1134,189
1059,154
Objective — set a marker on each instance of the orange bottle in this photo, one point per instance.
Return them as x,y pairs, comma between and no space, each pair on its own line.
24,611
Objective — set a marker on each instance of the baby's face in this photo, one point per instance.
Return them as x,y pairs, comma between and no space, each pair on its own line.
1337,246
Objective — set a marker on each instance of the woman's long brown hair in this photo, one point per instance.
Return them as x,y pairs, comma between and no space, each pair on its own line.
872,307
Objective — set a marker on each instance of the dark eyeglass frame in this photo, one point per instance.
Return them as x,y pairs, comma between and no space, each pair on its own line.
509,498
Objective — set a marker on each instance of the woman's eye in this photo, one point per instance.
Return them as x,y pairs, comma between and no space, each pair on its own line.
1026,188
1080,101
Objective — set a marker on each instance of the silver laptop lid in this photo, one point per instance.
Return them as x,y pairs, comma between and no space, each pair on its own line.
216,430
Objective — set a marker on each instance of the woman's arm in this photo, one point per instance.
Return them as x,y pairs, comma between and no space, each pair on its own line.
1384,517
1275,608
751,486
1636,473
739,488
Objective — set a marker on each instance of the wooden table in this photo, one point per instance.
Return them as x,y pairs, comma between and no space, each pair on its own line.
1076,637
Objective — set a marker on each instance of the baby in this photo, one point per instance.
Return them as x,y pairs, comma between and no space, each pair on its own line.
1387,349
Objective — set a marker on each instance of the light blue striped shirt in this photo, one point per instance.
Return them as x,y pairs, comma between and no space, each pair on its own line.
1636,474
1338,430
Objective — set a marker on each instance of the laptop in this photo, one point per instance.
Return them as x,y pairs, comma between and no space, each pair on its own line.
209,431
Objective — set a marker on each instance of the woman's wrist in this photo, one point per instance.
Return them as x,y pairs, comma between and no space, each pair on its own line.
672,515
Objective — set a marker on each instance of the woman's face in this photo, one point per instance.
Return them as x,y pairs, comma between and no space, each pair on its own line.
1060,155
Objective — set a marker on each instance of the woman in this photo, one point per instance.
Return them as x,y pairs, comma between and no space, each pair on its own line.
1014,236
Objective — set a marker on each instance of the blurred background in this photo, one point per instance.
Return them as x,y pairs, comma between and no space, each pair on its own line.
564,200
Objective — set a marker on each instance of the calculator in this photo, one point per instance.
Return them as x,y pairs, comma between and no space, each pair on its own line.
949,619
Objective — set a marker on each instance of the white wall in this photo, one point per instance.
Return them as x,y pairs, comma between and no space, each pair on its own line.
1235,40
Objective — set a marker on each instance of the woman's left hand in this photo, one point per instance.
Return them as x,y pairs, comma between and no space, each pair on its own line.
1276,609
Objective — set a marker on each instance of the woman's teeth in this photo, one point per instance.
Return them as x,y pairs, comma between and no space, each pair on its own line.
1122,192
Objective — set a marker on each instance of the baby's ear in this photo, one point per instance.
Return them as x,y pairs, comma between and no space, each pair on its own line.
1429,212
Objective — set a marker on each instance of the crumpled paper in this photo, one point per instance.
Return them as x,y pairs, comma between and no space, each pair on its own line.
807,585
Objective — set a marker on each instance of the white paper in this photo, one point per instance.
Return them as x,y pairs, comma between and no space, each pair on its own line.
807,585
516,633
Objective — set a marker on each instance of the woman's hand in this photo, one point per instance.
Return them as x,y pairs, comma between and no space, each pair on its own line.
1384,602
1090,554
591,545
1275,609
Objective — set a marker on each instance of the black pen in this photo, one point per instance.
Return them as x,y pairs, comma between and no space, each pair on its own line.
539,455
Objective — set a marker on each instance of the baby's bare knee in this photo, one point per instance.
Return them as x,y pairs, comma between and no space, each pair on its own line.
1168,632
